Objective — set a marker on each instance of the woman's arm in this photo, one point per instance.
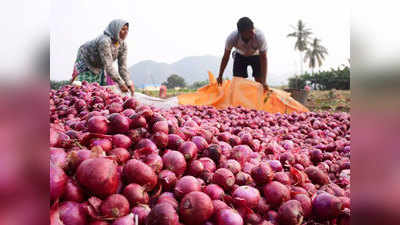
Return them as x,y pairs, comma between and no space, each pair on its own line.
122,67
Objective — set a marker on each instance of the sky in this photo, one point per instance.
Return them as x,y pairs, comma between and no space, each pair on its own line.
167,31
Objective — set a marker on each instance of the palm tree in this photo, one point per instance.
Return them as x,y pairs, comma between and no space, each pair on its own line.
302,34
316,54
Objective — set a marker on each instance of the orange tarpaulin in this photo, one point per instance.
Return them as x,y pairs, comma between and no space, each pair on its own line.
242,92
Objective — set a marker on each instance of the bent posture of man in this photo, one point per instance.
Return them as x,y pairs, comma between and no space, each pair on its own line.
250,50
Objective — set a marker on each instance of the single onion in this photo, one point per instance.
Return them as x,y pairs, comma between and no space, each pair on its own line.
246,196
138,172
136,194
186,185
167,179
229,217
115,206
162,214
174,161
189,150
71,214
58,182
214,191
121,141
142,211
224,178
290,213
326,206
98,124
262,174
195,208
276,193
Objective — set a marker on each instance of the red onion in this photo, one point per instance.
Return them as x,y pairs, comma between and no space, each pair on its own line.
316,155
241,153
75,158
115,108
232,165
228,217
243,178
154,161
189,150
71,214
121,141
125,220
138,121
98,222
160,139
196,208
246,196
262,174
58,181
104,143
160,126
316,175
73,192
276,193
58,157
290,213
196,168
98,176
136,194
138,172
186,185
224,178
282,177
98,124
122,155
226,149
130,103
147,143
168,197
208,164
142,211
200,142
275,165
115,206
326,206
174,141
295,190
214,191
128,112
174,161
305,202
167,179
162,214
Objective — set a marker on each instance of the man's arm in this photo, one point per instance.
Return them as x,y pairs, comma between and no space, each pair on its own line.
264,67
224,62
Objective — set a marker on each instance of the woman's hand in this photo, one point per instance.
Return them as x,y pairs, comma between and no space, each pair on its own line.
123,88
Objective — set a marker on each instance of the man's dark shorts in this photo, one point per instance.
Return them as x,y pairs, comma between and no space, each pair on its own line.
240,64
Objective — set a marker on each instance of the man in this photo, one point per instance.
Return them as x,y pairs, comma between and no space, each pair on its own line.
251,50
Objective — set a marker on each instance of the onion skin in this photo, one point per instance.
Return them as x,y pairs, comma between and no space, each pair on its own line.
196,208
122,155
58,157
169,198
306,204
98,176
138,172
121,141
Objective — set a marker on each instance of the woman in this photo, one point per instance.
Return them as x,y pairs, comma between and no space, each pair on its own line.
95,58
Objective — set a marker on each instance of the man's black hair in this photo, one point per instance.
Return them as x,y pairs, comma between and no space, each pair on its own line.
244,24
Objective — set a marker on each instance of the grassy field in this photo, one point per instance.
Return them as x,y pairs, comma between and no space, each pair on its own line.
333,100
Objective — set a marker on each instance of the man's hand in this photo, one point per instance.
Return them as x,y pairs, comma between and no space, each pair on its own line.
219,80
132,89
123,88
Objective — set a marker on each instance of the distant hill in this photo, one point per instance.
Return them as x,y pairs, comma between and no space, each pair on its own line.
192,68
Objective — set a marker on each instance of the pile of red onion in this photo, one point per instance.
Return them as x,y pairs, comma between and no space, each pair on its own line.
115,161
